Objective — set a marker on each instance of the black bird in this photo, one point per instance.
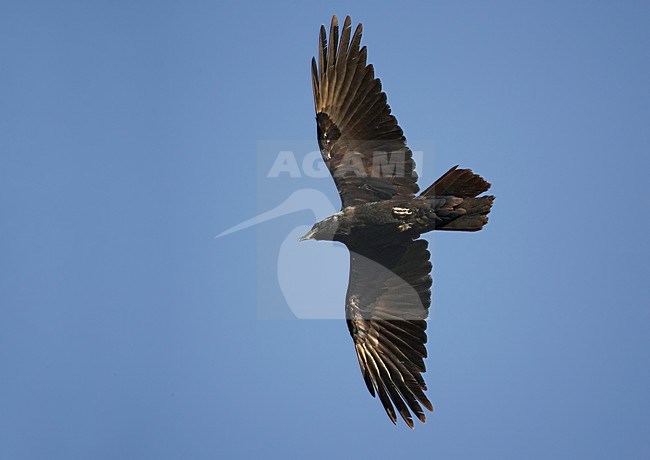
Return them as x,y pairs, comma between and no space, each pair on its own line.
382,217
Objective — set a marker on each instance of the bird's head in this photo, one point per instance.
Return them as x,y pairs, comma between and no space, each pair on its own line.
326,229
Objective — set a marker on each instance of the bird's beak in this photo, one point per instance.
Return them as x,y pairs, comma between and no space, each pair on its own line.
307,236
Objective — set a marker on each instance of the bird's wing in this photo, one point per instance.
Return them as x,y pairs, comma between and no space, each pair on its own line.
361,142
386,307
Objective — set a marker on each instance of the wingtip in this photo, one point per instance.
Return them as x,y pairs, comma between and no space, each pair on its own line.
314,68
406,416
334,32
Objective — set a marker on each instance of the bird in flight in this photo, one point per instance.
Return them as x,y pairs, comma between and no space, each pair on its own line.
381,220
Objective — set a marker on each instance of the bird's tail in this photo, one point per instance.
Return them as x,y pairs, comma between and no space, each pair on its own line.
475,216
463,183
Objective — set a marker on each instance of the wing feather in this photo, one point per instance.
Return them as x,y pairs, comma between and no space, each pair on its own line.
378,382
386,306
388,381
354,121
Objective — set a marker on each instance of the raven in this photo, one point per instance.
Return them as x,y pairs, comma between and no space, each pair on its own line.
389,289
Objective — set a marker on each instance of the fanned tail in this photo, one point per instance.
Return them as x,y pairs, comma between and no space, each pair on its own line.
463,183
475,217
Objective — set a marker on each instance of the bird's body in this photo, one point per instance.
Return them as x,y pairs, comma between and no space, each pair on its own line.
381,220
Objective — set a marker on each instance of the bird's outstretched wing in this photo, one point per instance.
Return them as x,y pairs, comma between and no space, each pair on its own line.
386,307
361,142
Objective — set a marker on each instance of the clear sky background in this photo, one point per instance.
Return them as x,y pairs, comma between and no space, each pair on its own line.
129,139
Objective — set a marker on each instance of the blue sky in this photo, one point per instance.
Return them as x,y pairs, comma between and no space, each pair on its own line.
130,136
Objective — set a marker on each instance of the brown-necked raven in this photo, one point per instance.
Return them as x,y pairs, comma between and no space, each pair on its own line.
382,218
